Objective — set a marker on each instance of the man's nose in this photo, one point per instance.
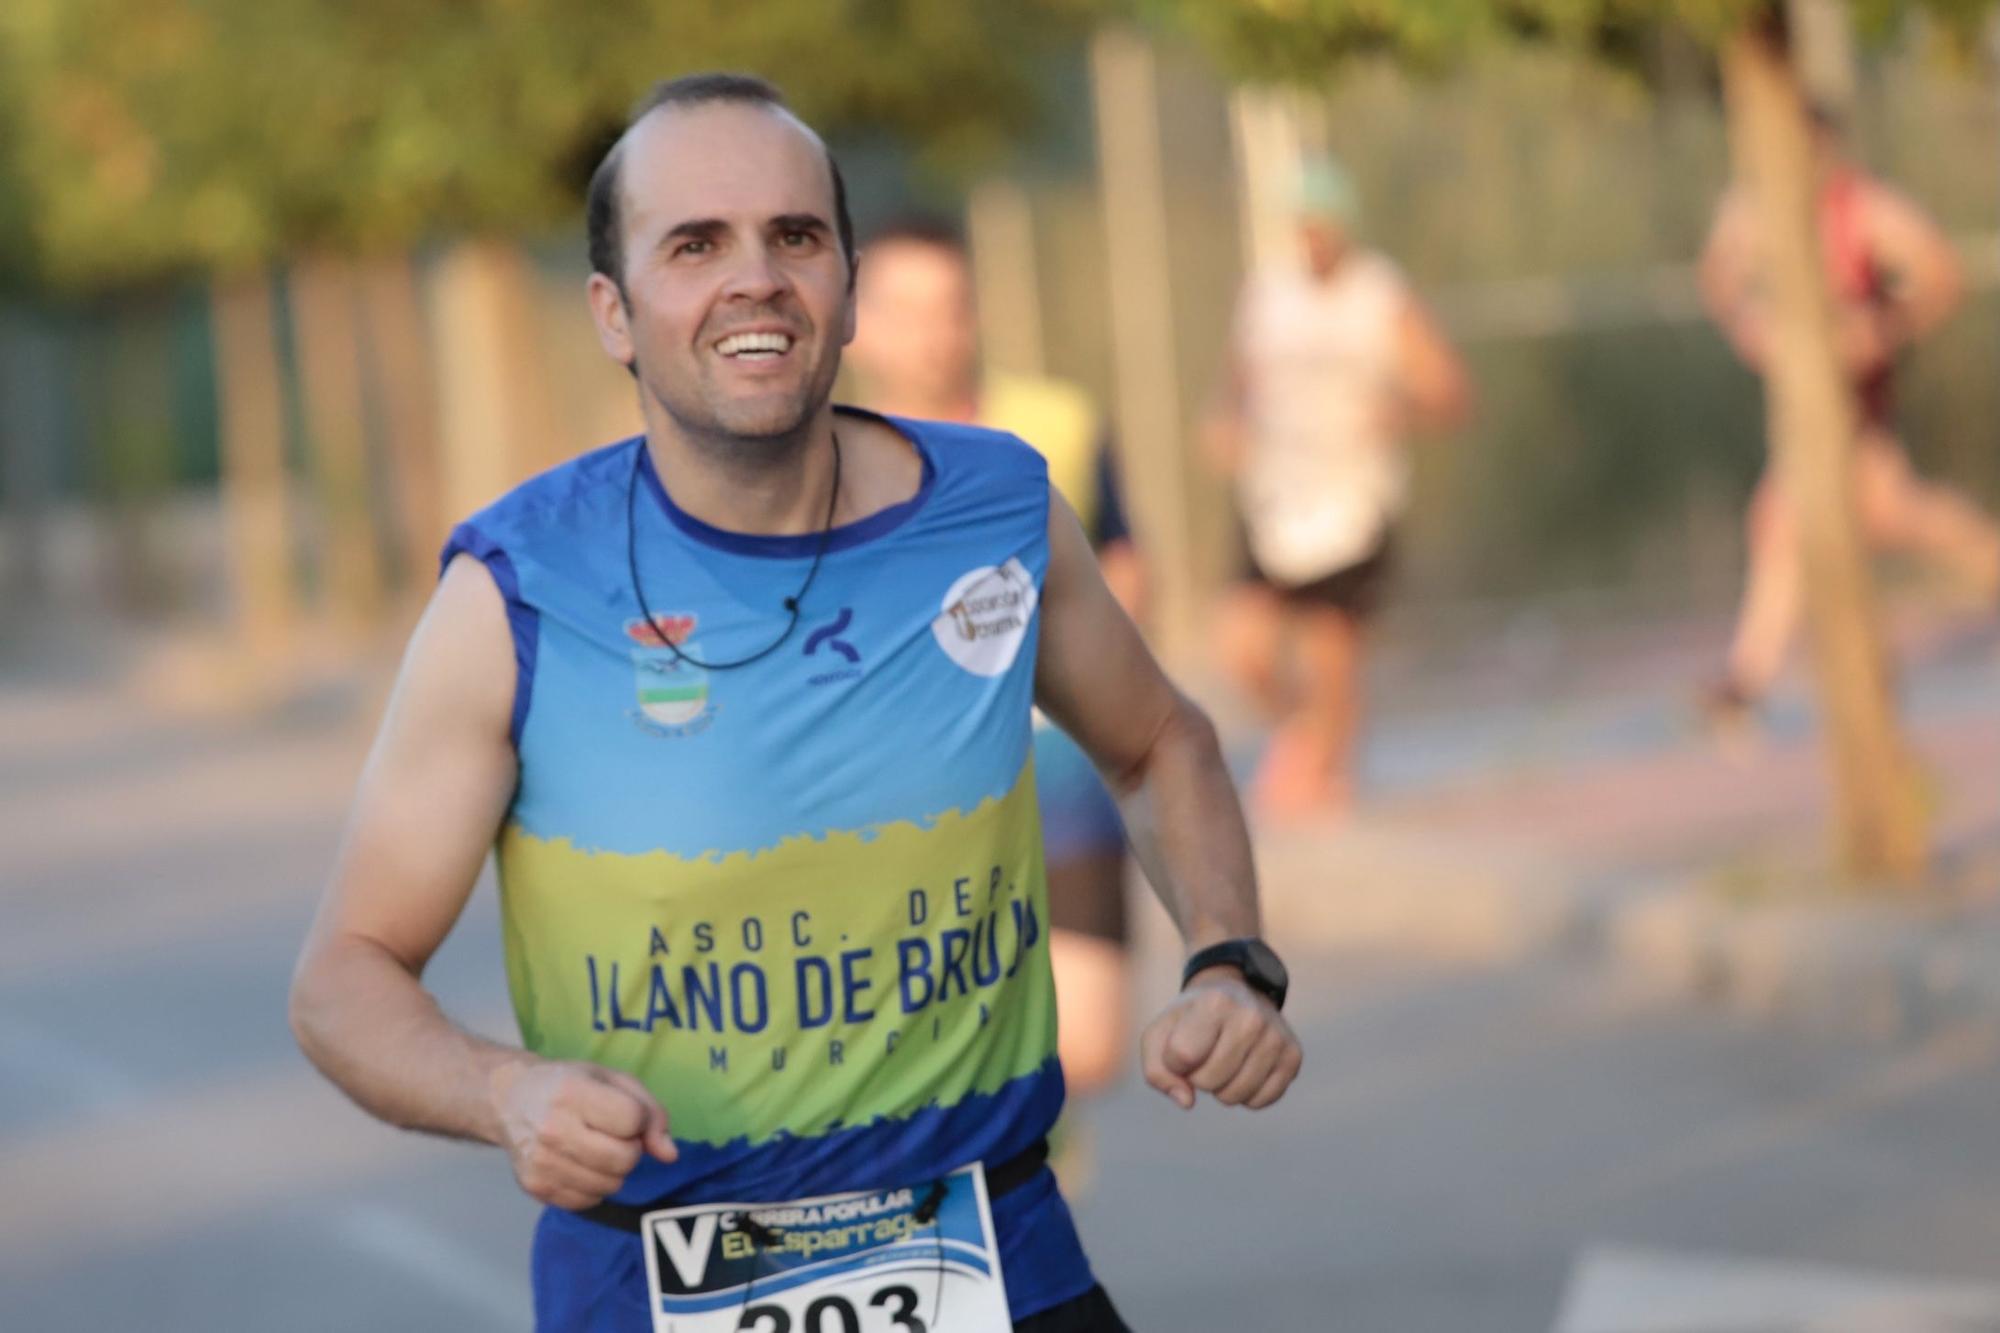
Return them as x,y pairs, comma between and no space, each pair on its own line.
757,275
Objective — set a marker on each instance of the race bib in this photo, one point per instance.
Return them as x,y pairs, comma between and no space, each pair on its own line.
887,1261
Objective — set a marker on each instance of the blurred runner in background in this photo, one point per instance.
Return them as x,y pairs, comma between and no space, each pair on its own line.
916,353
1333,365
1894,278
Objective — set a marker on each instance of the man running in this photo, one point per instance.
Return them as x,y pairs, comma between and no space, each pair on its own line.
916,354
1894,277
743,707
1333,365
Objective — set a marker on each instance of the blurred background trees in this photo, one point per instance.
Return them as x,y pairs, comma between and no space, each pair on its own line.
289,284
302,157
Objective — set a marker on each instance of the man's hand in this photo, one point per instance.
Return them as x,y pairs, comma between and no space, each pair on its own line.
573,1130
1223,1038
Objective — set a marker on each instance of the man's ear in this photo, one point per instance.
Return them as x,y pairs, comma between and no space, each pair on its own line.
611,315
849,320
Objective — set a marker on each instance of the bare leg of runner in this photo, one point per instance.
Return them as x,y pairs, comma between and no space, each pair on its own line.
1899,511
1310,768
1768,616
1904,512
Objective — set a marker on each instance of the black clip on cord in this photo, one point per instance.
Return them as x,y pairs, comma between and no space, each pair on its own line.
926,1214
791,603
927,1211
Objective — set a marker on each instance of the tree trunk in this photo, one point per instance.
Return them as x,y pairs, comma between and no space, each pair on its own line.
1000,221
1148,409
397,353
28,434
1267,133
1823,39
326,323
253,468
497,421
1880,819
131,422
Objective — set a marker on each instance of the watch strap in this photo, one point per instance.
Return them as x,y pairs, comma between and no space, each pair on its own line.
1236,954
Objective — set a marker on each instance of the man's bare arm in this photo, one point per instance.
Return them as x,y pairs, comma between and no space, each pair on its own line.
1225,430
1158,751
432,796
1927,282
1160,754
1436,391
1726,276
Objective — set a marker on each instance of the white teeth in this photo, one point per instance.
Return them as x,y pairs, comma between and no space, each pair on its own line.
738,344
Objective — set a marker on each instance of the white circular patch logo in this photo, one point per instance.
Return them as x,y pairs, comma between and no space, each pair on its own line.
985,617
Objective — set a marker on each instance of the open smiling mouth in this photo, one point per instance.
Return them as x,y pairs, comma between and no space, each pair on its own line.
755,346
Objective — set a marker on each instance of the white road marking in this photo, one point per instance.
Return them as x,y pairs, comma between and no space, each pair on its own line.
1615,1289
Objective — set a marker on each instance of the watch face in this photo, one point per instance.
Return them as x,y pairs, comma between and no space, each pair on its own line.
1265,960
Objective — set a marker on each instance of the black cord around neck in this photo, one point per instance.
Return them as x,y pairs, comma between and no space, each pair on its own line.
791,604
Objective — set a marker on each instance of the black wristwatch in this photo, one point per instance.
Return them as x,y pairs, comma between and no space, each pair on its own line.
1263,971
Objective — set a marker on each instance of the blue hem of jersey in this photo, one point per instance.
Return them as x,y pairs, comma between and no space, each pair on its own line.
792,546
524,623
880,1153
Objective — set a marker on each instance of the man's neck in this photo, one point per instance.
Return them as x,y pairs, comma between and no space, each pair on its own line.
765,488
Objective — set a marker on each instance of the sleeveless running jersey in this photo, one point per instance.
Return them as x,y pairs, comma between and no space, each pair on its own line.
1856,279
802,900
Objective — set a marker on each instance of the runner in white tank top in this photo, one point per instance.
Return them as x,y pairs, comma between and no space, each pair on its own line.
1324,473
1334,363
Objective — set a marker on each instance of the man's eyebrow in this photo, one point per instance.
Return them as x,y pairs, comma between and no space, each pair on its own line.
702,229
695,229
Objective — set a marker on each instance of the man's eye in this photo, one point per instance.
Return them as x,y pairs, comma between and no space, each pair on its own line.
694,247
797,239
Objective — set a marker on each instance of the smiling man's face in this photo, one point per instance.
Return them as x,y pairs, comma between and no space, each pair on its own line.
736,301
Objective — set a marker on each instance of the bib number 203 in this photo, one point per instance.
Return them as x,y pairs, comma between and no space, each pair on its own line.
836,1314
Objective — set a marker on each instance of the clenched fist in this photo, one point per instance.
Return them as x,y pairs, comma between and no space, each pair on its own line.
574,1131
1222,1038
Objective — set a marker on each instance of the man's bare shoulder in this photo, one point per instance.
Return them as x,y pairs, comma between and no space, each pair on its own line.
880,466
461,656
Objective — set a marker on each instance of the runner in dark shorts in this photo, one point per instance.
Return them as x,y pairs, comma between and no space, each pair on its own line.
1357,591
1334,365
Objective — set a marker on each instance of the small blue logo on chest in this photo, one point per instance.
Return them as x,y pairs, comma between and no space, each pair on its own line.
828,636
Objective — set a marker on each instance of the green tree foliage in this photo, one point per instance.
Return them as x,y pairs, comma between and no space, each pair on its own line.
1303,40
159,136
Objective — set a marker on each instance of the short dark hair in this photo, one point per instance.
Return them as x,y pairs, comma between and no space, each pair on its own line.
603,223
920,229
